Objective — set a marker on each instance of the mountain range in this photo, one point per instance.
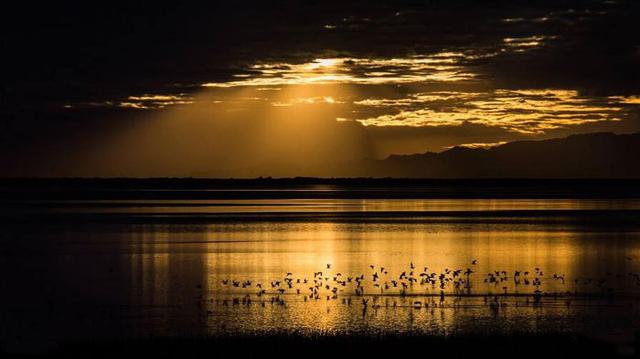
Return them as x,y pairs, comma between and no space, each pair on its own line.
595,155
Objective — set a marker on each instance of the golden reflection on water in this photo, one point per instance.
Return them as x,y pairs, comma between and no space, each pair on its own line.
185,266
235,206
165,277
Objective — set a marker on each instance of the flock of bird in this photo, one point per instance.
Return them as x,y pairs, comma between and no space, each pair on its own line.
330,284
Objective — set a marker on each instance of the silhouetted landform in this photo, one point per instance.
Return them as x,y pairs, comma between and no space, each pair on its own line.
597,155
40,189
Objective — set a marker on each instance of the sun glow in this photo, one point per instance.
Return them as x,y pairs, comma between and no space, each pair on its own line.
323,63
440,67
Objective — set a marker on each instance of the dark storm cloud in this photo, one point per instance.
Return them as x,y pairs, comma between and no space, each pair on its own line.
58,52
76,73
593,50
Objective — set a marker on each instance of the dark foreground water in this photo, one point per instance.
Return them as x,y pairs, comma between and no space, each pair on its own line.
87,270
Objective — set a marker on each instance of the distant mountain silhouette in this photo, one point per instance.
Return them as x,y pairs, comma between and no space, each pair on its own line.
597,155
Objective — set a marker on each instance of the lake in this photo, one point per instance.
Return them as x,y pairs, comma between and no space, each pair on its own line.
76,269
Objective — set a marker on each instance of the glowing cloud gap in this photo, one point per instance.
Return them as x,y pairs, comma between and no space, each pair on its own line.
440,67
521,111
484,145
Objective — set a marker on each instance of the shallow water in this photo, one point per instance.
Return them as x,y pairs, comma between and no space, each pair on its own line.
104,269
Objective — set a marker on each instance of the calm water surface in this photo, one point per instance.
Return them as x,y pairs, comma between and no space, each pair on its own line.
148,268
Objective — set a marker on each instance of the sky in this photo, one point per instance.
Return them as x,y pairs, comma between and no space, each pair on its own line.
283,88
